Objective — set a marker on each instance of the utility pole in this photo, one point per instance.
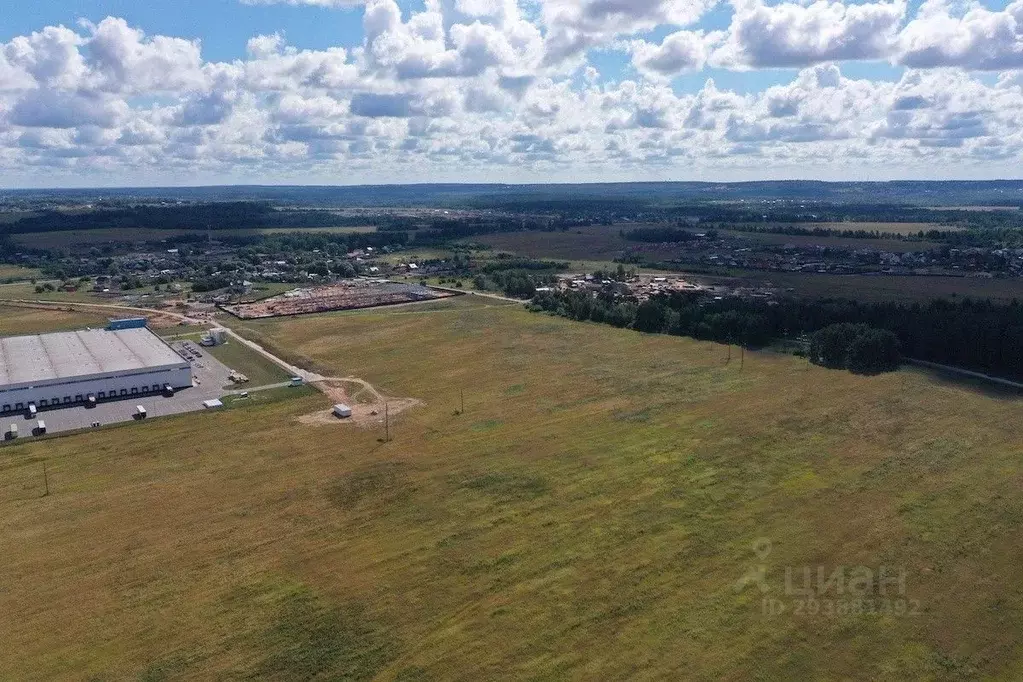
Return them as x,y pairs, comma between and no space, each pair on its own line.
387,423
742,362
461,395
729,360
46,481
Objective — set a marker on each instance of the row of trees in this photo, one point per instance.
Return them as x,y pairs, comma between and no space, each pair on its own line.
818,231
979,335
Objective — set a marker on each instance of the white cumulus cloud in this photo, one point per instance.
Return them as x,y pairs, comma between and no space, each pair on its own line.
795,35
979,38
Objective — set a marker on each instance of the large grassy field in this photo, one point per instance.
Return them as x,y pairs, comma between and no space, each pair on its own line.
877,287
892,245
146,295
589,516
597,243
603,243
15,320
27,292
69,238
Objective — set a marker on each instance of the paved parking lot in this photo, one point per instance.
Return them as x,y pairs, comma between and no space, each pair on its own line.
209,377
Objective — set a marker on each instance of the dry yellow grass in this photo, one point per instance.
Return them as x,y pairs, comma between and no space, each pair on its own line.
586,518
16,272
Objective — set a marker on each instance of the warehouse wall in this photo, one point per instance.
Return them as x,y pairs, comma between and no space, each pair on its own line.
150,380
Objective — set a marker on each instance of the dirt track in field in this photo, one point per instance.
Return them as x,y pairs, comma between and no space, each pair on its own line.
369,406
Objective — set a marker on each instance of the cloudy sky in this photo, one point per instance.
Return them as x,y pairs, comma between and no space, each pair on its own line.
182,92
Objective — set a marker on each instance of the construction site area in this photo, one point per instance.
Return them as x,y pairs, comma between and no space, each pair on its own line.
348,295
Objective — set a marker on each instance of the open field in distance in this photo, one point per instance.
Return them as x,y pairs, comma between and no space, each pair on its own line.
594,243
892,245
356,229
12,272
65,239
876,287
27,292
414,255
603,243
591,515
18,320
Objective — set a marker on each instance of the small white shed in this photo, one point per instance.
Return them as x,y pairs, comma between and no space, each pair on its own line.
342,411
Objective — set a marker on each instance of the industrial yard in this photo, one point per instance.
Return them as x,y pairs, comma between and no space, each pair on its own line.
86,366
98,362
345,295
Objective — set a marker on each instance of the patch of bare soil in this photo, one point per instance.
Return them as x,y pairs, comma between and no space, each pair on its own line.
368,404
157,321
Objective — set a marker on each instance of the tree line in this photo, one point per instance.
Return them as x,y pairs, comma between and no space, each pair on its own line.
975,334
240,215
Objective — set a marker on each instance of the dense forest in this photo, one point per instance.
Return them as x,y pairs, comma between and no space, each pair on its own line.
859,348
517,215
977,335
918,193
213,216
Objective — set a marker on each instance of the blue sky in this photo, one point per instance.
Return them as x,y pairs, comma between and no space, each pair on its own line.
511,90
224,26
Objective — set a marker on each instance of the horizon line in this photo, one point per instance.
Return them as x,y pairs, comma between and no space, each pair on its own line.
508,184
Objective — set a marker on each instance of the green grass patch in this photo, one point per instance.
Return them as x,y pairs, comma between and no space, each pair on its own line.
307,636
381,482
269,396
260,370
507,485
311,639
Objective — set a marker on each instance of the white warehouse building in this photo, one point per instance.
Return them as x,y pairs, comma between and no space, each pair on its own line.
66,368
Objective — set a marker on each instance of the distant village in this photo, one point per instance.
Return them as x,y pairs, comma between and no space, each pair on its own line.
217,273
751,254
